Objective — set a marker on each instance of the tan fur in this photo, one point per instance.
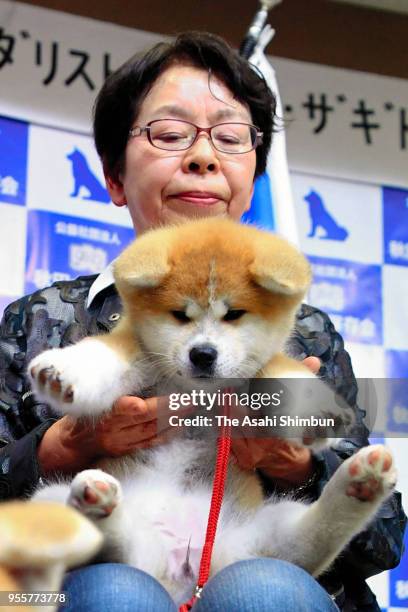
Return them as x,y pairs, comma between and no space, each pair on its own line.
38,541
258,271
122,340
9,583
243,256
23,522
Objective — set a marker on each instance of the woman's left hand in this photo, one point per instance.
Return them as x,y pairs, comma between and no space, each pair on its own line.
277,458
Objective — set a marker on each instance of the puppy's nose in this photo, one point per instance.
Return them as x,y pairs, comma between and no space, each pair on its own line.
203,357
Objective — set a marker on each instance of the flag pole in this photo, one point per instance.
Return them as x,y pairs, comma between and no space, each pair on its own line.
274,206
255,29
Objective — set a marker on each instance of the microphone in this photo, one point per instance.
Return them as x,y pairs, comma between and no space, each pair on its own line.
251,39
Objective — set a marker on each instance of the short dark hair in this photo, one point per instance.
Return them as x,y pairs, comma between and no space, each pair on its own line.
119,101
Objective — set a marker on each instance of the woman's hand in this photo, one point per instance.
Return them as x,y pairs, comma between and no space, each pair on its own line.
71,445
280,459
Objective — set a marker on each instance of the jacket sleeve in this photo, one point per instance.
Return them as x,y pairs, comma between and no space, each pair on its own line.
380,546
23,421
49,318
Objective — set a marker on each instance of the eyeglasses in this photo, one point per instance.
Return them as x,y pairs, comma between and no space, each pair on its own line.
179,135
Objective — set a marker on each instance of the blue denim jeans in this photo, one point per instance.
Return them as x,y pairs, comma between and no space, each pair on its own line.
256,585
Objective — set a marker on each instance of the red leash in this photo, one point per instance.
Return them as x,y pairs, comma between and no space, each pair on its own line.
221,467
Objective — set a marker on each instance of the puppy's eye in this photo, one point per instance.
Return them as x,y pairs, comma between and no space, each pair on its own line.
233,315
181,316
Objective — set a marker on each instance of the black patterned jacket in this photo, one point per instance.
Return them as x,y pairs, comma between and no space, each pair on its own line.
59,316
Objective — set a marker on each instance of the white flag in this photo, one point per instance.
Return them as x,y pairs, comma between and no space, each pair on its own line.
273,205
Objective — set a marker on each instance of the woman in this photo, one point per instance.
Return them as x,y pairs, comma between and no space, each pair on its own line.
188,87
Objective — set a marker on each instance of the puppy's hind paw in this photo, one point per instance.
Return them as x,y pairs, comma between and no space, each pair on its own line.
95,493
371,473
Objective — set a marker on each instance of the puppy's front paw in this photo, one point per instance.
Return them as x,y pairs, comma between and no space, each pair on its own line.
371,473
84,379
325,413
47,378
95,493
332,423
314,413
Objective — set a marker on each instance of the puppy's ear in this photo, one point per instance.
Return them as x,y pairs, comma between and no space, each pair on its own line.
279,267
145,263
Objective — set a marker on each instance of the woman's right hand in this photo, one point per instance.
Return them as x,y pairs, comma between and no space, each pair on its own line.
71,445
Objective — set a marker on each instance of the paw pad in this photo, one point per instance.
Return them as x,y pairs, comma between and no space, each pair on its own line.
371,472
49,377
94,495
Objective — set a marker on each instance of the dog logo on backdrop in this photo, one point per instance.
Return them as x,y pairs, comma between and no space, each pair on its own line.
85,180
321,218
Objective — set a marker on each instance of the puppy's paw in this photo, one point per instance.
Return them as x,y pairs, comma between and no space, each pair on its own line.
46,377
331,424
95,493
370,473
84,379
317,414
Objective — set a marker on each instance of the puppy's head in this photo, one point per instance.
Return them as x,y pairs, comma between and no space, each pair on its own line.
211,298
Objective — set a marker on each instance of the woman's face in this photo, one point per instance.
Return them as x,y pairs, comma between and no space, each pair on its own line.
163,187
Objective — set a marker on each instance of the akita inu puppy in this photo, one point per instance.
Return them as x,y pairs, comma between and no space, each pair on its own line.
209,299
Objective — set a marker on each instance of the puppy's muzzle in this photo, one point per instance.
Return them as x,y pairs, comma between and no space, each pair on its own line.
203,359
